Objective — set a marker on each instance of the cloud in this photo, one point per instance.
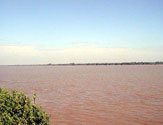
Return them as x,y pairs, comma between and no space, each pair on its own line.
18,50
3,40
34,55
83,43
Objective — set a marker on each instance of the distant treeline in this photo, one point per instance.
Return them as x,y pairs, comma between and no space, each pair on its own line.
123,63
76,64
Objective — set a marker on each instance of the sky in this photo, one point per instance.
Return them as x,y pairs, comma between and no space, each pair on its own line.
80,31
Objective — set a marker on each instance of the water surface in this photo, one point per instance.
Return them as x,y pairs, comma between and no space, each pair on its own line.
92,95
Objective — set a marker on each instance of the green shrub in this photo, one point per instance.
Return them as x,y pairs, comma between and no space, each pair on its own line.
16,109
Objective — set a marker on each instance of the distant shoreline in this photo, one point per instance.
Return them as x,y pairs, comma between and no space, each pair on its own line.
92,64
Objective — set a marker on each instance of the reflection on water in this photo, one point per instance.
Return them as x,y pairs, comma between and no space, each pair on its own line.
92,95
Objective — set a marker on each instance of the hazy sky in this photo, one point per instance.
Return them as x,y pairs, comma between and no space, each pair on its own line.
64,31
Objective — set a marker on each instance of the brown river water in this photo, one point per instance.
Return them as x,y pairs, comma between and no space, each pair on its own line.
92,95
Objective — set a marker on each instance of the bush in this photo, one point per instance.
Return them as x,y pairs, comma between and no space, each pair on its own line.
16,109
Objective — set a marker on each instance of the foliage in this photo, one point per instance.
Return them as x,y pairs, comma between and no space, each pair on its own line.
16,109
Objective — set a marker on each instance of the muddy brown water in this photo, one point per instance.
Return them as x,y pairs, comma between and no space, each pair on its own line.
92,95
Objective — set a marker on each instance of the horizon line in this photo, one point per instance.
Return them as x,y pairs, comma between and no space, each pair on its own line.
106,63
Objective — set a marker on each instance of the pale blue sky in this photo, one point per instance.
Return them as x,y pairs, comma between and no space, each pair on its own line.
61,24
